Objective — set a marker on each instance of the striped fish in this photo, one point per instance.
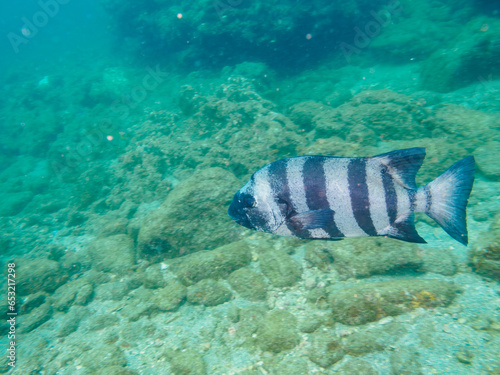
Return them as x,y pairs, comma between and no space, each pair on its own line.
327,197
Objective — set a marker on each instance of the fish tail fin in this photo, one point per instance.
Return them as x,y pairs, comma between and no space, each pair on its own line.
445,198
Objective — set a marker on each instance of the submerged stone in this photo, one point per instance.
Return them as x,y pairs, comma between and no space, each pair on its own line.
35,275
213,264
278,332
208,292
280,268
186,362
101,356
189,221
170,297
368,256
369,302
35,318
326,349
112,254
248,284
485,253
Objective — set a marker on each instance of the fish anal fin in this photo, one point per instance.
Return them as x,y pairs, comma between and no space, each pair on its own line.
404,229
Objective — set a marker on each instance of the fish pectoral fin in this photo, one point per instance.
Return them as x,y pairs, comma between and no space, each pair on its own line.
312,219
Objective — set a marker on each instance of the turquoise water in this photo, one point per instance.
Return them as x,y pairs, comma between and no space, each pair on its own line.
126,128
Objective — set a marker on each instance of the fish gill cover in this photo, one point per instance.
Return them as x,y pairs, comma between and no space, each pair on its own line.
126,128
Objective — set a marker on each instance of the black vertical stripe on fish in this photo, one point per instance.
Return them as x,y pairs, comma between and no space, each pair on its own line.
358,191
413,199
315,187
279,185
391,198
428,198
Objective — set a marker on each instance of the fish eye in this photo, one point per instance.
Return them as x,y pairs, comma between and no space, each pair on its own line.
249,201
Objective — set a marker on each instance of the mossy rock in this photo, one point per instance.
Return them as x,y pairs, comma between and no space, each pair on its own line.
13,203
369,302
116,370
485,253
193,217
101,321
34,275
213,264
102,356
326,349
368,256
278,332
170,297
78,292
70,322
356,366
374,339
280,268
35,318
248,284
406,361
185,362
208,292
113,254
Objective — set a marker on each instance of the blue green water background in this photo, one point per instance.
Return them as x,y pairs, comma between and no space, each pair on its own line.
125,129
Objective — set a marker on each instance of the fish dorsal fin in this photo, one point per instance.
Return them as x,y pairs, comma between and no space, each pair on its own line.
404,229
403,165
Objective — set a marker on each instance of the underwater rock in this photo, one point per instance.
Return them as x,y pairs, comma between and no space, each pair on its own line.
32,301
356,366
213,264
248,284
70,322
116,370
101,321
369,256
280,268
287,366
140,304
170,297
278,332
326,349
405,361
35,318
185,362
485,253
102,356
472,59
249,320
114,290
78,292
487,161
208,292
34,275
311,323
112,254
438,261
13,203
368,302
374,339
153,277
376,109
189,221
303,113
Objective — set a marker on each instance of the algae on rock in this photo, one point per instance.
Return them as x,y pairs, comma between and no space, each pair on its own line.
368,302
192,218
